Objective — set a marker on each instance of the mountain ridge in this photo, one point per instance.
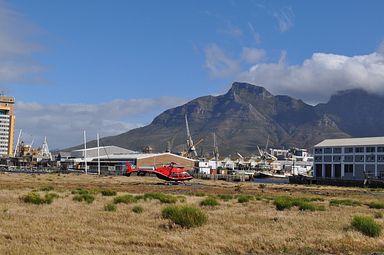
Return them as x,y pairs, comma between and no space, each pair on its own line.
248,115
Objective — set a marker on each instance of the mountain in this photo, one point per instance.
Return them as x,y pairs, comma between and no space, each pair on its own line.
248,116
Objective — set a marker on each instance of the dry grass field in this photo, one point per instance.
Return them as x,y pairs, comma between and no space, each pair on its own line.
70,227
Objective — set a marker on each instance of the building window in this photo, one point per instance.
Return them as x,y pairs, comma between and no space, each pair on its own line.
348,158
327,158
318,158
380,158
359,158
370,158
327,150
348,150
336,150
370,149
336,158
380,149
359,150
318,151
348,169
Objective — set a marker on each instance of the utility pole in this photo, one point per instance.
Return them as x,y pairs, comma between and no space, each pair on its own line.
98,153
85,152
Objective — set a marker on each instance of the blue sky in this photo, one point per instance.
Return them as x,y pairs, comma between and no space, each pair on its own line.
109,66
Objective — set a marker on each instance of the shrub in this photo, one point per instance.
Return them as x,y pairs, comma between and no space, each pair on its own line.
110,207
283,203
126,199
346,202
366,225
46,188
378,215
225,197
137,209
186,216
304,204
49,197
108,192
376,205
244,198
35,198
163,198
209,201
84,195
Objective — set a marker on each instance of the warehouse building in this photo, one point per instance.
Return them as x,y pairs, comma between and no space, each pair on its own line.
350,158
113,158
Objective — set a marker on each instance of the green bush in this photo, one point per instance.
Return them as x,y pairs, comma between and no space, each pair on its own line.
244,198
376,205
84,195
345,202
283,203
366,225
110,207
186,216
35,198
209,201
107,192
49,197
126,199
163,198
137,209
304,204
46,188
225,197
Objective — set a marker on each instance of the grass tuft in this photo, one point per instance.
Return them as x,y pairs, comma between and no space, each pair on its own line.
186,216
125,199
163,198
378,215
345,202
376,205
366,225
83,195
244,198
47,188
304,204
35,198
137,209
110,207
108,192
225,197
209,201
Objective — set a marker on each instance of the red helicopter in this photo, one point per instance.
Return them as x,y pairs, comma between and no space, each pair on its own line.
170,172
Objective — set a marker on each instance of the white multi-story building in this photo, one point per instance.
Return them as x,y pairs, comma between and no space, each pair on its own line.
350,158
7,125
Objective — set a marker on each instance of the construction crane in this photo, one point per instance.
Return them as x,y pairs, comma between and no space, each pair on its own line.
191,147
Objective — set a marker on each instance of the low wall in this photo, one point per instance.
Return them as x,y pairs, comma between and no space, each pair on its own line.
368,183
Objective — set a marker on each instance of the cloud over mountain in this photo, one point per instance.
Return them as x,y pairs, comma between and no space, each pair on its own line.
320,76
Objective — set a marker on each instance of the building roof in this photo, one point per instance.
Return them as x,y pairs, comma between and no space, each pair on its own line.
363,141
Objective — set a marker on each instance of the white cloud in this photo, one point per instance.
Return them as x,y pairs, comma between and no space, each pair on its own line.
16,47
63,124
285,19
253,55
317,78
218,63
256,36
232,30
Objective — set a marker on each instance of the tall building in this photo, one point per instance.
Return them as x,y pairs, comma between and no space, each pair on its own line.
350,158
7,125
